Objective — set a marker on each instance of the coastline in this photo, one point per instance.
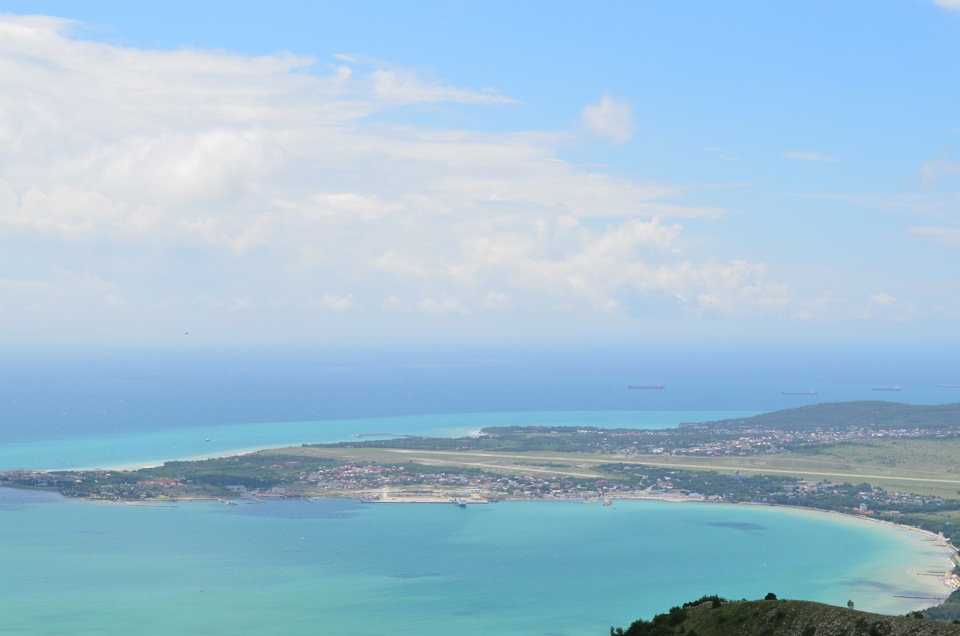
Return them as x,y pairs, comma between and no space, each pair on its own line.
948,582
161,462
911,579
113,451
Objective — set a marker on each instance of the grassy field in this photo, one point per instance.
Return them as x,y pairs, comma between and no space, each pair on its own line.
920,455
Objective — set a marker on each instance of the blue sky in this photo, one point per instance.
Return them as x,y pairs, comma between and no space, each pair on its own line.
308,172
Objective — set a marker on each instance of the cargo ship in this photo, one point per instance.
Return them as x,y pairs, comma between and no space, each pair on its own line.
646,387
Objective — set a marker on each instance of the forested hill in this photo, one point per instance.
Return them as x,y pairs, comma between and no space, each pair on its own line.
841,415
780,618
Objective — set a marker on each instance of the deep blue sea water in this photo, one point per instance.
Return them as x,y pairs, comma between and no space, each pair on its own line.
93,408
517,568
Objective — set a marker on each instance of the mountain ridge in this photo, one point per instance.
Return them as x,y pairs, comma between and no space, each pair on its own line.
876,413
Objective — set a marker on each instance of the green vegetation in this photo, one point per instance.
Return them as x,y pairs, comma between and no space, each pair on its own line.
842,415
714,616
948,611
208,477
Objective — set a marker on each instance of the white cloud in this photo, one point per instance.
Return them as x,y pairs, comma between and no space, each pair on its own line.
498,302
227,183
947,236
62,291
393,303
399,86
807,155
829,308
209,166
332,302
610,120
938,204
442,306
934,171
20,294
342,204
948,4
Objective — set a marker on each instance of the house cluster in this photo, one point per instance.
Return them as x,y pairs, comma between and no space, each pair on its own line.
709,441
889,501
160,482
353,477
368,477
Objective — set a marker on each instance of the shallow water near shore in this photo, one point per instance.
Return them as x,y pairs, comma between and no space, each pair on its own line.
512,568
153,447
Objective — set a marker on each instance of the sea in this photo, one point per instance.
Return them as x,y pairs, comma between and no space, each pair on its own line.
343,567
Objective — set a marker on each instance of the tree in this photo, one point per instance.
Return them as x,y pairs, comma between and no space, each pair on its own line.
770,597
850,604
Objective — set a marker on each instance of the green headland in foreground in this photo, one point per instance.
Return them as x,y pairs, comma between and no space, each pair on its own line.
714,616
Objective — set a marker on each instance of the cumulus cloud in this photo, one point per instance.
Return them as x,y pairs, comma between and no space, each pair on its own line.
610,120
187,180
807,155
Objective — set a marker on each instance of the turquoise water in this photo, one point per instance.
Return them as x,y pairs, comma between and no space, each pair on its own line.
156,446
74,567
339,567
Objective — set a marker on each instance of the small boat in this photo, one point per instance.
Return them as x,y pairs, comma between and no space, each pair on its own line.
607,502
207,439
460,503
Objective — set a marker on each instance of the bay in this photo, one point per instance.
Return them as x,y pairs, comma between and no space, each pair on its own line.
512,568
337,566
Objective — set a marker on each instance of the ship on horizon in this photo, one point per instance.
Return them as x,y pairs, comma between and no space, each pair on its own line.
646,387
886,388
810,392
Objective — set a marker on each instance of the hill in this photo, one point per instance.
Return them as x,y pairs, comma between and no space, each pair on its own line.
842,415
712,616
